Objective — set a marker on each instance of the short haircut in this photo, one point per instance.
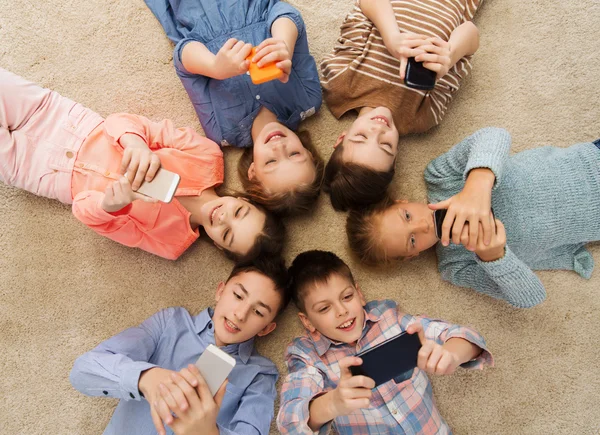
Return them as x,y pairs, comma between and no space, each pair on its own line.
354,186
311,268
364,235
273,267
298,200
268,242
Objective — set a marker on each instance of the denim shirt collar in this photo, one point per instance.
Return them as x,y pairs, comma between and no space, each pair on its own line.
323,343
202,322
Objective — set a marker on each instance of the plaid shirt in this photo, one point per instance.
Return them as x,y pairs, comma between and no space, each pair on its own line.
400,406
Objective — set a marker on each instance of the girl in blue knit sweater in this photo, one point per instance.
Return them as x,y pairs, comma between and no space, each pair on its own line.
546,203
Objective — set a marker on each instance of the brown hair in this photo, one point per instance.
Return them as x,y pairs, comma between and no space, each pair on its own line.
268,242
273,267
314,267
298,200
353,186
362,228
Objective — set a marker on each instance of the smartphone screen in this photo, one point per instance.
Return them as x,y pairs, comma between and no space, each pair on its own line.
419,77
390,359
162,187
439,215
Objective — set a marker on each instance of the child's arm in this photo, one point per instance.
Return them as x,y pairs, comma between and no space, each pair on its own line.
119,366
464,41
279,48
230,60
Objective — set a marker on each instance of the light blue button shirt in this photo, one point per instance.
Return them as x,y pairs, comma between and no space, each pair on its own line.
172,339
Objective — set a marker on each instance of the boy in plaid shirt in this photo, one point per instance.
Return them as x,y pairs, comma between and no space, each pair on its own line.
320,390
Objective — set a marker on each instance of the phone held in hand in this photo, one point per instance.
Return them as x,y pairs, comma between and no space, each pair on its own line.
264,74
438,217
419,77
162,187
390,359
214,366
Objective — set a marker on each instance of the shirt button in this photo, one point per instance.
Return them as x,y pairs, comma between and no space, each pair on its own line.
258,97
131,395
395,411
105,392
81,165
210,325
70,155
107,173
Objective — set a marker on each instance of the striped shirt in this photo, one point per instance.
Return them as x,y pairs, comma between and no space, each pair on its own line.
360,72
400,406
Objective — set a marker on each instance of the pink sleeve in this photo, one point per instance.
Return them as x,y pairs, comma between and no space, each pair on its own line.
122,227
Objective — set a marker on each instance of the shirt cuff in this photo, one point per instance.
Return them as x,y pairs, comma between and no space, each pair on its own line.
118,124
130,378
284,10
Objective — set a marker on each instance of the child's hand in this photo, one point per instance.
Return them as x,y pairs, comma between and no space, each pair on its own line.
274,50
119,195
149,386
436,56
353,392
495,249
200,417
231,60
433,358
405,45
139,163
469,208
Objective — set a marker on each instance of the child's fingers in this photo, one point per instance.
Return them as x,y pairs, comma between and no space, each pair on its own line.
429,58
266,43
237,46
440,205
464,237
488,229
221,393
133,167
141,172
403,64
189,376
424,353
434,359
345,364
457,228
190,394
445,365
158,424
474,227
165,404
360,382
142,197
177,394
447,225
245,51
125,161
154,167
417,328
229,44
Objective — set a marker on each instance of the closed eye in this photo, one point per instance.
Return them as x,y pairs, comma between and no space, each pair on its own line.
237,212
258,313
295,153
237,296
225,234
323,309
270,161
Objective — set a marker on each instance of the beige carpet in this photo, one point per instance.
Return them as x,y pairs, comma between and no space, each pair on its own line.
63,289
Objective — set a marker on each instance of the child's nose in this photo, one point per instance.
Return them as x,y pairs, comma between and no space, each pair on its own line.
421,226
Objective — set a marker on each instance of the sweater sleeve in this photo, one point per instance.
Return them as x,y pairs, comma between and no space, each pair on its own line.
486,148
507,278
568,257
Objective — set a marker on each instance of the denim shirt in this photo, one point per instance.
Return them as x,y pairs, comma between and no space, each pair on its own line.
172,339
227,108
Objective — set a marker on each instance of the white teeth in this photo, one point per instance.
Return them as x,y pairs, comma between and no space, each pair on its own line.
232,326
277,136
380,120
347,324
212,216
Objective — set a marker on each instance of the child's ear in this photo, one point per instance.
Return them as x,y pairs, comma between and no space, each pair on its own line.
251,171
220,289
339,139
361,297
307,324
219,247
401,201
267,329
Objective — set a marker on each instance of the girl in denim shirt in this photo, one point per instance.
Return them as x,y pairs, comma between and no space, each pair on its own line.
282,171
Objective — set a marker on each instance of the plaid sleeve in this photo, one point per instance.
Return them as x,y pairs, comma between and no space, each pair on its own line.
441,331
303,383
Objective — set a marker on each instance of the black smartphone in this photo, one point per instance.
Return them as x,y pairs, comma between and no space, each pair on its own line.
438,217
390,359
419,77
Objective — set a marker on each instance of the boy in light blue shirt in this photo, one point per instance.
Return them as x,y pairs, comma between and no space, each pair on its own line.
140,362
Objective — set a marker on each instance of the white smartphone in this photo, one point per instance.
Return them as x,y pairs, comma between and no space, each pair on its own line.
215,365
162,187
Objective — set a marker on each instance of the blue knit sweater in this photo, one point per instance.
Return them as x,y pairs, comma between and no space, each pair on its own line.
547,198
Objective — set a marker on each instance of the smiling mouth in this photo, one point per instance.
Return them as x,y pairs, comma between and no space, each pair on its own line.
382,120
347,325
230,326
274,135
214,213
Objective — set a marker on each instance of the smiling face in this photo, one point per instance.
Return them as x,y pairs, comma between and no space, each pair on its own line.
280,161
335,309
406,229
232,223
246,306
372,140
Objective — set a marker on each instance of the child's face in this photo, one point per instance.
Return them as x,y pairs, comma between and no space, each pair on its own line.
280,161
406,229
372,140
335,309
232,223
246,306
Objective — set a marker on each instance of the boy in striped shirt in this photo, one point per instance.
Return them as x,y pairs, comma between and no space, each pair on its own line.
366,72
320,390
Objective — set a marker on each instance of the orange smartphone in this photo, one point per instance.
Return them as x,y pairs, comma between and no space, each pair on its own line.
265,74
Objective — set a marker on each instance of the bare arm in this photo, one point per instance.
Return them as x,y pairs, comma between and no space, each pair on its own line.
464,41
197,59
380,12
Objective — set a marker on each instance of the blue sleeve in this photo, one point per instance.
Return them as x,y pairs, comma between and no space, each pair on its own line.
113,368
281,9
256,409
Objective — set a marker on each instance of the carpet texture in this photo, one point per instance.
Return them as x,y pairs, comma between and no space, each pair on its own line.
63,289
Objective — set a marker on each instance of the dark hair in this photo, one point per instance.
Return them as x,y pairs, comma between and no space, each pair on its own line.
268,242
364,237
353,186
273,267
314,267
297,200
